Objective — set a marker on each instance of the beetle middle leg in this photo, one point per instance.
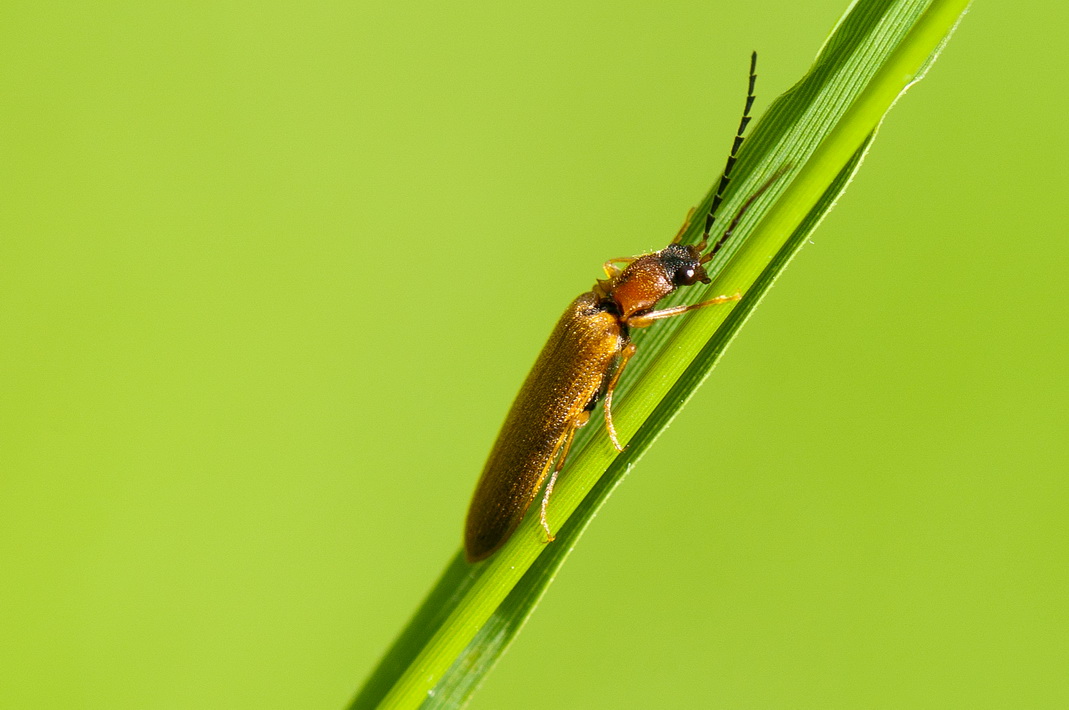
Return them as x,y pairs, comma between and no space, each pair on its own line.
565,446
611,268
625,355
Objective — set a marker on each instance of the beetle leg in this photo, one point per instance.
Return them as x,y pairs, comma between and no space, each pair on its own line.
648,318
625,355
683,229
565,446
611,270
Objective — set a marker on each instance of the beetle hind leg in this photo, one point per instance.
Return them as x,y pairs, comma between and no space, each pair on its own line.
564,447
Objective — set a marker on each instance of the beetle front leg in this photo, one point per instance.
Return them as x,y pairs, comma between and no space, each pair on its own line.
649,318
686,224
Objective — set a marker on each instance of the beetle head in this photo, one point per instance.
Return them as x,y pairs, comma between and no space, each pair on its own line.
683,264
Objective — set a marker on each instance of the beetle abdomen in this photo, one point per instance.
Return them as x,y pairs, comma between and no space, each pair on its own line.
565,379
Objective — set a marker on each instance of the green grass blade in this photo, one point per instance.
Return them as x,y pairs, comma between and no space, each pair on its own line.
821,128
463,677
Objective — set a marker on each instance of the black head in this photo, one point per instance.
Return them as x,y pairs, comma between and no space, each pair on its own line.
683,264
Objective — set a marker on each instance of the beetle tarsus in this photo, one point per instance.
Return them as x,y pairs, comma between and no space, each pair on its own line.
550,537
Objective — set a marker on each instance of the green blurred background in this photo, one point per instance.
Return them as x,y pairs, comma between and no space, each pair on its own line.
270,276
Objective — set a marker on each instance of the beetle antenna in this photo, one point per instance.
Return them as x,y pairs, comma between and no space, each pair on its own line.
725,178
742,210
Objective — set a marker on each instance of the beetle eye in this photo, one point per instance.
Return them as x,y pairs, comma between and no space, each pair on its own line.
686,277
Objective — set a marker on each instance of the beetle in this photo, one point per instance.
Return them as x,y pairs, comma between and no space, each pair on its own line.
581,364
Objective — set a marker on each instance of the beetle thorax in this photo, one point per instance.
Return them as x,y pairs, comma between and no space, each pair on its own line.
649,278
640,286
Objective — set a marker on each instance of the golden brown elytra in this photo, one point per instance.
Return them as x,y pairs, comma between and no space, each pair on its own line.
581,364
